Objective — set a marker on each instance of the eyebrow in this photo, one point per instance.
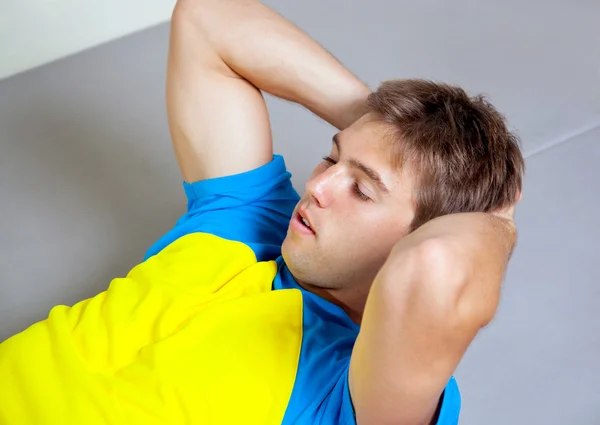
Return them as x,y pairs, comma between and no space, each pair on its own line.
371,173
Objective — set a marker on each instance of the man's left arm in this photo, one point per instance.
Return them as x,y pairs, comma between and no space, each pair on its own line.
439,286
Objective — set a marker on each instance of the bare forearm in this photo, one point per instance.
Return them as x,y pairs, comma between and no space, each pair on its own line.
277,57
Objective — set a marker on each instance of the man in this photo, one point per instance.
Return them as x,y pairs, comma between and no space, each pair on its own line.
353,304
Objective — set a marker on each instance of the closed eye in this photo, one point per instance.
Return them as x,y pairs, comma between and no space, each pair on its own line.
355,187
359,193
329,160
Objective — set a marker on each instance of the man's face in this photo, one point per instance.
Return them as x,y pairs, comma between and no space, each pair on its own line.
358,207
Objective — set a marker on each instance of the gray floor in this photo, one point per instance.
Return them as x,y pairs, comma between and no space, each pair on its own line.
88,180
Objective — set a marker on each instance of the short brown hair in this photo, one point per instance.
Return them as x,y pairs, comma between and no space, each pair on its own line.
464,156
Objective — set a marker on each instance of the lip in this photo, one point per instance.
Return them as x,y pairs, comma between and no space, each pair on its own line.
299,225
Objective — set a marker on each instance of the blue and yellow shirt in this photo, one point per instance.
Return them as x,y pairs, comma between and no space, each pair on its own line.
211,328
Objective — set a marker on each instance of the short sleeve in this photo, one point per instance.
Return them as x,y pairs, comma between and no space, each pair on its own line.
449,411
347,414
252,207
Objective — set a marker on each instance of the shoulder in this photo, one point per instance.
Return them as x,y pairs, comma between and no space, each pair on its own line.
253,207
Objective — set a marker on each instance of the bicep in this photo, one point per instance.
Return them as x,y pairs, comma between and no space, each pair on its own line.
410,342
218,121
252,207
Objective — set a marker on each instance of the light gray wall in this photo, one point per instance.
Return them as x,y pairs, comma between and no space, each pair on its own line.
539,361
88,179
87,176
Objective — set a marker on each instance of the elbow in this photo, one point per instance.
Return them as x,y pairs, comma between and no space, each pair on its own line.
182,15
182,9
195,11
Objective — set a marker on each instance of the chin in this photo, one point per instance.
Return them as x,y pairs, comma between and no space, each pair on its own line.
286,251
292,248
295,260
285,247
290,253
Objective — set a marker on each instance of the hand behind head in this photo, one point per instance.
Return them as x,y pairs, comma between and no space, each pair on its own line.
508,213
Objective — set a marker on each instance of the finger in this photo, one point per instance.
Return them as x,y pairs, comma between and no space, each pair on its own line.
506,213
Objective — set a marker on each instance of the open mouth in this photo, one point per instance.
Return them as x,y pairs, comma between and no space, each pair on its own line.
306,223
303,225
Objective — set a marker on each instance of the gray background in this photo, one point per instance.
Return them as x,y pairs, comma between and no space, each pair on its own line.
88,179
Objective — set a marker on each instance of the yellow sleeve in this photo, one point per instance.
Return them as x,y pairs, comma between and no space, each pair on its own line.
61,367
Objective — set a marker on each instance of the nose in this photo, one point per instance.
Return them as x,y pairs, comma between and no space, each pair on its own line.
320,187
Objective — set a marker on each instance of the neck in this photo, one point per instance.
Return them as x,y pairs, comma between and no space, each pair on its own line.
352,302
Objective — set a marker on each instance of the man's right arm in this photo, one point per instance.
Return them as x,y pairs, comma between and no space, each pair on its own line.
222,54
